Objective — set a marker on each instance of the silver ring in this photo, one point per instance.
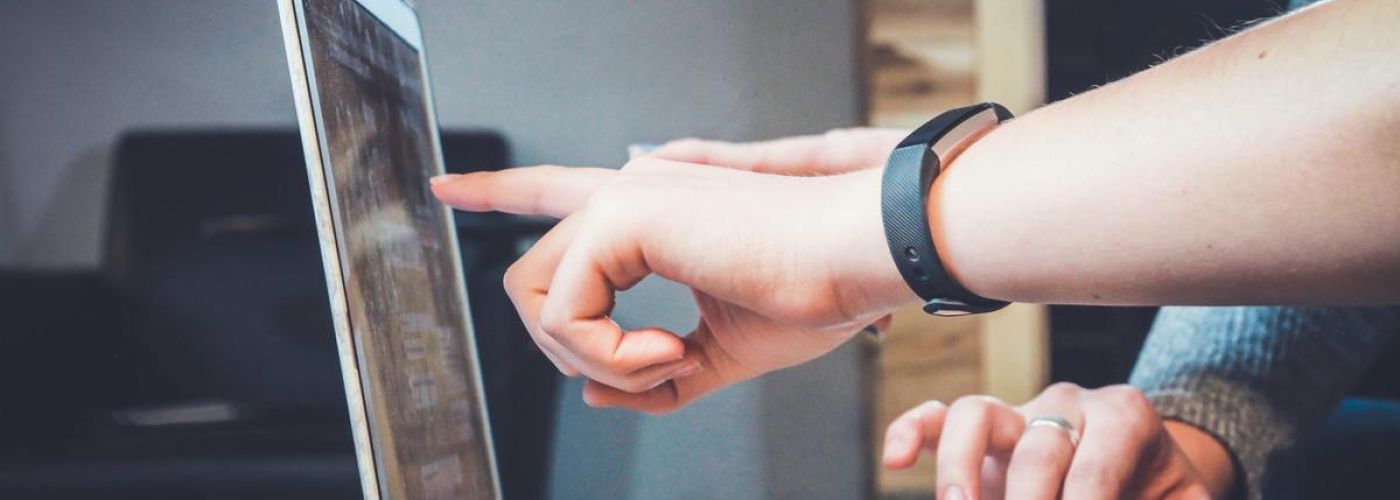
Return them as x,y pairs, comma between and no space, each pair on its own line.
1056,422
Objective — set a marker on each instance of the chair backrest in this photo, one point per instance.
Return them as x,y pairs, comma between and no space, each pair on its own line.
57,358
212,246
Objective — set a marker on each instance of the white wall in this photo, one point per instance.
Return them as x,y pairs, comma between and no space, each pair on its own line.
567,82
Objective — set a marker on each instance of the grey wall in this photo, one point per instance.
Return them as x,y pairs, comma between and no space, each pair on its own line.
77,73
567,81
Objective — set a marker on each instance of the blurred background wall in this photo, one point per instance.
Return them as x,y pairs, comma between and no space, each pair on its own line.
566,82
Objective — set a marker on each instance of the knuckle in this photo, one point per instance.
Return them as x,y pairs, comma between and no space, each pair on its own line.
1063,389
981,406
612,198
1126,398
642,164
553,323
1138,420
512,279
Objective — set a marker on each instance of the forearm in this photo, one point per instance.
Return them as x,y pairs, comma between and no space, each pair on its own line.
1264,168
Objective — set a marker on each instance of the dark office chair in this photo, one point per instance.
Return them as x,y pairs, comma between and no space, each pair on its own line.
213,249
219,369
55,362
221,374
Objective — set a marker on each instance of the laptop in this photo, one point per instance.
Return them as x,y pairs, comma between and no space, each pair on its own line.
389,249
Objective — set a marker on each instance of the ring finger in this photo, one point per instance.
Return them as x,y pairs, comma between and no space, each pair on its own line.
1043,455
1039,463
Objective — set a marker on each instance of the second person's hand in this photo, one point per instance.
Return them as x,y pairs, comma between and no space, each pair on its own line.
783,269
1068,442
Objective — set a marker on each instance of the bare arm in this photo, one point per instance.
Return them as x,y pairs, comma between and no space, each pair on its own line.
1264,168
1261,169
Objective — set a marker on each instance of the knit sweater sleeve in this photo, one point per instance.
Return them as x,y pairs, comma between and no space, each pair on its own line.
1258,378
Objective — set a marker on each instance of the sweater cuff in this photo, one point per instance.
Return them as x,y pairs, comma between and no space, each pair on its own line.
1251,435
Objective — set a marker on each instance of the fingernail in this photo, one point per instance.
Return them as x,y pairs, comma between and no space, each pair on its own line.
439,179
683,371
954,492
894,444
688,370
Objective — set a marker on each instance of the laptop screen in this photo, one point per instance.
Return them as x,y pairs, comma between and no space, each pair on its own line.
401,279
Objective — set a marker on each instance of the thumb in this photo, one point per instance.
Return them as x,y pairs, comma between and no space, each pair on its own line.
717,373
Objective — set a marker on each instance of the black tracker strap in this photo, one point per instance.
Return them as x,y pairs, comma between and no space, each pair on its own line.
909,174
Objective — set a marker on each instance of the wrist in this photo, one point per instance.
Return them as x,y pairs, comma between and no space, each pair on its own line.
911,215
863,273
1207,454
938,210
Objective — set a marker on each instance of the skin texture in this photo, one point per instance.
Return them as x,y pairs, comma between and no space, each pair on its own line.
1245,172
1260,169
986,451
1208,455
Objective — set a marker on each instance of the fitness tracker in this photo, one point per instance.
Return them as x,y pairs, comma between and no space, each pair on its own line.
909,174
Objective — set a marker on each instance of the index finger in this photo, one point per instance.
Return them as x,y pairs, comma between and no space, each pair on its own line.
912,431
547,190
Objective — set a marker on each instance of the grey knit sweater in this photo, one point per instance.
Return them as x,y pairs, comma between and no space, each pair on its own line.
1258,378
